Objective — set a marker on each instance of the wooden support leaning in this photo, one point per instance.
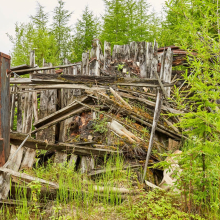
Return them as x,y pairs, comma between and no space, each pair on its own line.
155,120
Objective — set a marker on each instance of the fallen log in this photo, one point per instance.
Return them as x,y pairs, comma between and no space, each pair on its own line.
150,103
17,138
60,113
97,172
27,178
140,118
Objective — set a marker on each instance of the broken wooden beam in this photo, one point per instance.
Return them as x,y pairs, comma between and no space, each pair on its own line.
97,172
155,120
60,113
17,138
31,70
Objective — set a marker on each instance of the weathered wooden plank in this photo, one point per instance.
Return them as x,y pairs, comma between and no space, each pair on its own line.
29,157
155,120
85,64
19,111
28,178
142,59
150,103
25,71
149,57
59,86
94,67
14,165
17,139
14,89
97,172
168,69
60,119
107,55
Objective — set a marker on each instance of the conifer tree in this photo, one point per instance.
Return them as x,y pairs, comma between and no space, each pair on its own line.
61,30
125,21
86,30
40,20
115,22
33,35
142,20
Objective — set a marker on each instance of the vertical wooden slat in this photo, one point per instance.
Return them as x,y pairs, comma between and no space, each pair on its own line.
168,69
29,157
107,55
149,57
94,67
85,64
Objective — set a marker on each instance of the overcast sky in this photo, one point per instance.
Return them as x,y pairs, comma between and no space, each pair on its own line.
13,11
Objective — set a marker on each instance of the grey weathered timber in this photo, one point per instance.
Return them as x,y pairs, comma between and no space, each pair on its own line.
87,163
60,86
29,156
17,139
97,172
85,64
48,105
60,119
25,71
14,165
142,59
149,57
154,64
150,103
13,89
167,73
107,55
153,129
19,111
94,67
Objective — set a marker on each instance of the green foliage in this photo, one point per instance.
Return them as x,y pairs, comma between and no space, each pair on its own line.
86,29
61,30
126,21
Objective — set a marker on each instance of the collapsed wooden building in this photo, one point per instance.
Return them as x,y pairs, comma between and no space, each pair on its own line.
112,102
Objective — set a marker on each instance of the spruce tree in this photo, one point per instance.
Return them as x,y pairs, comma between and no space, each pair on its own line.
142,21
115,22
61,30
40,20
34,35
86,30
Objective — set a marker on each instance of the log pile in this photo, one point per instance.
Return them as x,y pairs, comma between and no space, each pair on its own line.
112,102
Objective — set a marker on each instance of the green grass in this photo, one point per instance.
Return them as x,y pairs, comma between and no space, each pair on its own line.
77,198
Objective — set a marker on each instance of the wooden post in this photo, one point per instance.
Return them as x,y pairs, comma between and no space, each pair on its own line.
95,58
107,55
167,73
85,64
29,157
149,57
155,120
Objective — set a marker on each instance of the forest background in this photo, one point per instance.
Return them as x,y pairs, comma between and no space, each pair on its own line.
191,25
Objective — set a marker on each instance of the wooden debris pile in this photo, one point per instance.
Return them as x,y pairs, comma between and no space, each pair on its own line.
112,102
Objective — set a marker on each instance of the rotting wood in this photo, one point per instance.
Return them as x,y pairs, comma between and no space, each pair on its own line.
142,119
31,70
150,103
27,178
117,96
13,165
17,138
59,113
64,117
155,120
97,172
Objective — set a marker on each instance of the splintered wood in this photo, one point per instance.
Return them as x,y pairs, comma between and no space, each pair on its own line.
107,104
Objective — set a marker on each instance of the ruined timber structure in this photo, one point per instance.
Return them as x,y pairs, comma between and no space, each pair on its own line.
111,102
